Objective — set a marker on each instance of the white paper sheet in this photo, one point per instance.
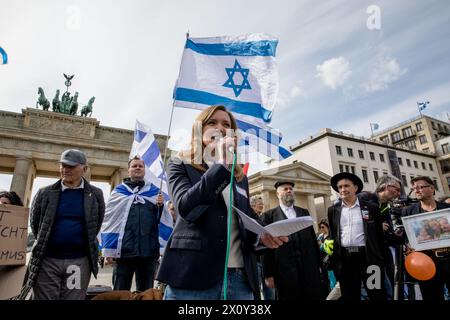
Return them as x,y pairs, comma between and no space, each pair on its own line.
276,229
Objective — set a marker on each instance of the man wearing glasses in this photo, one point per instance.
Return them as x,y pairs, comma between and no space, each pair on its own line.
388,188
432,290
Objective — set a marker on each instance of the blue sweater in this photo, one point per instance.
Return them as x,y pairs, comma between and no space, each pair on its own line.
68,238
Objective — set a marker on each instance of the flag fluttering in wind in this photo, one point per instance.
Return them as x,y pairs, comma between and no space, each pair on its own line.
239,73
3,56
146,147
422,105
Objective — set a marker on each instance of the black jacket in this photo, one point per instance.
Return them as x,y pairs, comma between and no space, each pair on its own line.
415,208
194,257
296,265
373,230
42,216
140,238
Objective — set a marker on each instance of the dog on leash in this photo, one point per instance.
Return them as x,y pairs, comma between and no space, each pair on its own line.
150,294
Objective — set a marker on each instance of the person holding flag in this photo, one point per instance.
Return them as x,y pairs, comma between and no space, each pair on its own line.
129,231
210,255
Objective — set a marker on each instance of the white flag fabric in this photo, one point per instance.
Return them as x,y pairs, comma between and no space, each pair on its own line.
239,73
116,215
146,147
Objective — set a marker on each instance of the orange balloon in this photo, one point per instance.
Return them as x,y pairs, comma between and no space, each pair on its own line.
420,266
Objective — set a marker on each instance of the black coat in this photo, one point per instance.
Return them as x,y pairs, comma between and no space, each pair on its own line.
42,217
296,266
373,231
415,208
194,257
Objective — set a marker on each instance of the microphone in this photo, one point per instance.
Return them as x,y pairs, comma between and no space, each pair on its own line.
230,149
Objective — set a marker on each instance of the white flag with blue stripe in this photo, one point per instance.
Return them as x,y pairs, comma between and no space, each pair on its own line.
239,73
3,56
146,147
116,215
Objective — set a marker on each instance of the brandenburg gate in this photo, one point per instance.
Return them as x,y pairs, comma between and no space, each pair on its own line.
32,141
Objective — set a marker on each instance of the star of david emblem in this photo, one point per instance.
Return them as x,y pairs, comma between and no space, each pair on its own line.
237,88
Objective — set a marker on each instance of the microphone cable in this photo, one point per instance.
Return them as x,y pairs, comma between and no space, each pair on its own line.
230,212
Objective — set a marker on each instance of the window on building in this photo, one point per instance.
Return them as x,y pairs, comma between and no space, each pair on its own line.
431,166
408,162
419,126
395,136
384,139
381,157
439,127
347,169
341,168
361,154
411,144
365,176
422,139
411,177
433,125
338,150
400,161
372,156
436,184
436,137
352,168
350,152
423,166
445,148
407,132
416,165
405,182
375,175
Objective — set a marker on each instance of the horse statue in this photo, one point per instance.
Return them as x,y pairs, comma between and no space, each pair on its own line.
74,104
87,109
42,100
56,103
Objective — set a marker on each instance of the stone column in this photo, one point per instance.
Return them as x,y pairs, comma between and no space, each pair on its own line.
117,177
266,200
312,209
87,175
23,177
326,202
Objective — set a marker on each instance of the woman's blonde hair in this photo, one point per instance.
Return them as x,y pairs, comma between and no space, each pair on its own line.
194,156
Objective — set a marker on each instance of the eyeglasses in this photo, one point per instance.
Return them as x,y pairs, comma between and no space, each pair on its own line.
420,187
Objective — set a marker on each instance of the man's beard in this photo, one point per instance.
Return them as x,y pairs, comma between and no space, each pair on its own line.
287,199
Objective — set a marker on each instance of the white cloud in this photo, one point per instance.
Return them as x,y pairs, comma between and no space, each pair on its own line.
384,71
334,72
296,91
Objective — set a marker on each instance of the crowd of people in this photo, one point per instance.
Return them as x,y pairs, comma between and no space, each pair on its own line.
210,254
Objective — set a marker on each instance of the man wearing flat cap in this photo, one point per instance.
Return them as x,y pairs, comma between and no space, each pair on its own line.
294,269
357,231
65,218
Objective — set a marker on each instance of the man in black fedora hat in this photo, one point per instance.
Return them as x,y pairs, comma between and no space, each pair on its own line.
357,231
295,268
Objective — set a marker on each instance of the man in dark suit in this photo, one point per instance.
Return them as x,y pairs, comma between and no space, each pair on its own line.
357,231
433,289
294,269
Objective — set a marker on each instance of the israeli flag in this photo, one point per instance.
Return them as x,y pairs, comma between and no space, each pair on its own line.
375,126
422,105
239,73
4,56
146,147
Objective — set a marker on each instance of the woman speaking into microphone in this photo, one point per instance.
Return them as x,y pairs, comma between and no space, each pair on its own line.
195,259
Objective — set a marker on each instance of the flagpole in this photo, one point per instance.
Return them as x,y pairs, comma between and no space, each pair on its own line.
371,130
418,107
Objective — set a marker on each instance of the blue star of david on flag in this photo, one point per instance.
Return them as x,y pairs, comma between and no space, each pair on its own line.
230,82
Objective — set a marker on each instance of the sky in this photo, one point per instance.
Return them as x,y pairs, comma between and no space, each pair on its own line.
342,64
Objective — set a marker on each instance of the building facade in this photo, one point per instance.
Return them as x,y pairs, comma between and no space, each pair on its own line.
443,159
332,152
419,133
